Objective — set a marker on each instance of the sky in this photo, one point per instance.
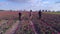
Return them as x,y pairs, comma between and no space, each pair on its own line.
30,5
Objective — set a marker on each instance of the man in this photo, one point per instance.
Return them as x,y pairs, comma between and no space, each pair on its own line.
39,14
19,16
30,13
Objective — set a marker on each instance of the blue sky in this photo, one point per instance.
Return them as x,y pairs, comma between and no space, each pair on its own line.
30,4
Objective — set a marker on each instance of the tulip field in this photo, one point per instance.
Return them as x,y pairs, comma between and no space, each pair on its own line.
49,23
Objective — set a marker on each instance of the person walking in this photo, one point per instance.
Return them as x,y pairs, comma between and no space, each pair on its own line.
39,13
19,16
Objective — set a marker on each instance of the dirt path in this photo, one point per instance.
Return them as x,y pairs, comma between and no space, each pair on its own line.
12,29
31,23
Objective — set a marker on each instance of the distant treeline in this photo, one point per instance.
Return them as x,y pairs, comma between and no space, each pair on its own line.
32,10
2,10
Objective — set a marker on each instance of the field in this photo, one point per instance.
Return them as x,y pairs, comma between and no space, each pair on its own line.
48,24
52,12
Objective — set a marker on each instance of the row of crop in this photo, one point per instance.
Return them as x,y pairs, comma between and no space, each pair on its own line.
46,23
6,26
